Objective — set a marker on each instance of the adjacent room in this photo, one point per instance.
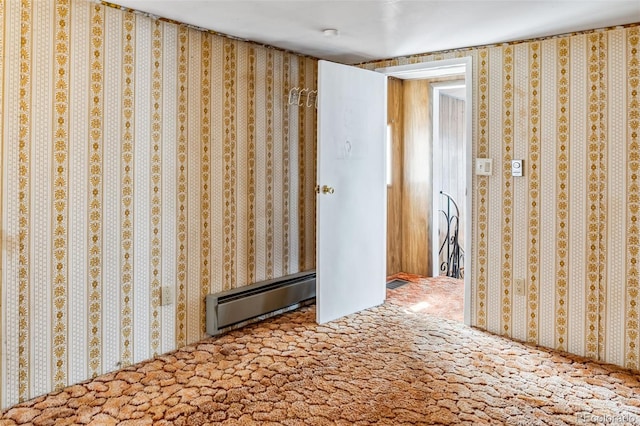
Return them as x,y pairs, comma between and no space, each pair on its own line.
319,212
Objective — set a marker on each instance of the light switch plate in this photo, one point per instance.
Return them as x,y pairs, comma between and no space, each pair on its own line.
484,166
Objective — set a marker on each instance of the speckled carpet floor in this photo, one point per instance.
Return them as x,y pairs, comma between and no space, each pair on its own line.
390,365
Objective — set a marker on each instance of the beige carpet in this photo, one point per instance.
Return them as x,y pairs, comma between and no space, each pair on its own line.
388,365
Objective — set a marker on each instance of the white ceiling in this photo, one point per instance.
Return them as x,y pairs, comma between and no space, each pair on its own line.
380,29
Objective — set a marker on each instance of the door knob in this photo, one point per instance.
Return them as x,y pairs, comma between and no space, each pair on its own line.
327,189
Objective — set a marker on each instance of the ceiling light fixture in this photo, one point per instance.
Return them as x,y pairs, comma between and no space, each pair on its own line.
330,32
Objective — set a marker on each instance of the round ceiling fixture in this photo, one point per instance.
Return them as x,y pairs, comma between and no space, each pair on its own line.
330,32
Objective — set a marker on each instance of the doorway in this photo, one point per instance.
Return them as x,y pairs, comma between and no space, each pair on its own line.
449,200
445,69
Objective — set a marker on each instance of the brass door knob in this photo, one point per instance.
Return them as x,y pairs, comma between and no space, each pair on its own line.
327,189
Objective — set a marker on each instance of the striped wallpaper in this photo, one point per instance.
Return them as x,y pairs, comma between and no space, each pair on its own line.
138,154
569,106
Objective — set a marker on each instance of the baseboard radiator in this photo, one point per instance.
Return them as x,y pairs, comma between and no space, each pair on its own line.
243,304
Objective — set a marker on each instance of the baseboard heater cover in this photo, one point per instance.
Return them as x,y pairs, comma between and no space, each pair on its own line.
245,303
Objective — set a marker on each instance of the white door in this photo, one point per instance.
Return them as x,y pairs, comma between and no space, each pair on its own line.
352,201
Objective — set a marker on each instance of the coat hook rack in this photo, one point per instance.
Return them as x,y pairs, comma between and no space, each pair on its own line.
303,97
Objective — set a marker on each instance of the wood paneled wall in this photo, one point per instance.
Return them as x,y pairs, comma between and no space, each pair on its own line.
394,190
417,179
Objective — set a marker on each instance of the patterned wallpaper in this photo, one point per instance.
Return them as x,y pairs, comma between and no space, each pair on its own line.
569,106
138,154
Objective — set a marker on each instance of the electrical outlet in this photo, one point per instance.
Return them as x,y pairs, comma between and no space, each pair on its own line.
519,287
166,298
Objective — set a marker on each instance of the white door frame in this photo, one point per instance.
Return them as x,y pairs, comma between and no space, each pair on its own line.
460,66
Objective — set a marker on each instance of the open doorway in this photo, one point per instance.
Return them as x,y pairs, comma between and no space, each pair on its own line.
419,227
449,186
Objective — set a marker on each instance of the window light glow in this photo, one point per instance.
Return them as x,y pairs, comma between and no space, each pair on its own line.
389,151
